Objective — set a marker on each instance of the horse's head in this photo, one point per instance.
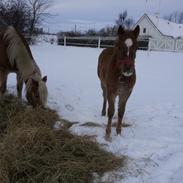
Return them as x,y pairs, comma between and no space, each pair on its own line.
36,91
126,48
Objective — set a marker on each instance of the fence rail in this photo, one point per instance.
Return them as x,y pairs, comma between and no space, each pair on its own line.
166,44
151,44
100,42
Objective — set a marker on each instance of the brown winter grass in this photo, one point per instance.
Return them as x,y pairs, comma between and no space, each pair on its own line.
31,151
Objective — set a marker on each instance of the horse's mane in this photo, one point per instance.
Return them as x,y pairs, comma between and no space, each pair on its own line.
25,43
29,51
19,53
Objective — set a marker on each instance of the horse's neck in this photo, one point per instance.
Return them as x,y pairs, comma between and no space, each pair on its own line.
113,59
25,68
22,61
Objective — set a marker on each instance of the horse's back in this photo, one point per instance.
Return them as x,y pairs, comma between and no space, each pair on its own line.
103,62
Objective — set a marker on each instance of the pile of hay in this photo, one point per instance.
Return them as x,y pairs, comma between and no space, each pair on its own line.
32,152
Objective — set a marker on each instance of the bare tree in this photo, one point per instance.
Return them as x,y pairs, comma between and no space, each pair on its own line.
24,15
129,23
108,31
124,21
14,12
91,32
176,17
38,12
122,18
180,20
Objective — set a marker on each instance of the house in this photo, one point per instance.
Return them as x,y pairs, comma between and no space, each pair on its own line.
156,27
164,35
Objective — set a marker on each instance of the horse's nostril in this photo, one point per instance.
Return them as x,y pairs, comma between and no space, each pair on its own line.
127,69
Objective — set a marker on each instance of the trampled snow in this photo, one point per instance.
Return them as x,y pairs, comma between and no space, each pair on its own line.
154,141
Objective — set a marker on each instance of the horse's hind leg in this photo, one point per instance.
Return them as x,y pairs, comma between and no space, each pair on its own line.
19,86
3,81
104,100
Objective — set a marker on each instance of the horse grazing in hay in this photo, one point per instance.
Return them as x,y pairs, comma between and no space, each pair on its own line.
16,56
116,70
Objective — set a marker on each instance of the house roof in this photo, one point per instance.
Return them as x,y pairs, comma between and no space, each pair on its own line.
165,27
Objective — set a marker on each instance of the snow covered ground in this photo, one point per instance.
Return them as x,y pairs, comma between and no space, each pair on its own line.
154,141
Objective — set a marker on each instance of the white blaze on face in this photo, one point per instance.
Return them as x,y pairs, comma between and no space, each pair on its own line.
128,43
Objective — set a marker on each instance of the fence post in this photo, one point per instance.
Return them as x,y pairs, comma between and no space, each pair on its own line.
65,41
149,45
99,40
175,45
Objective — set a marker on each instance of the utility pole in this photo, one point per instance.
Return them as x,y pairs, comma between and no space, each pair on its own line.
146,1
75,28
158,12
159,5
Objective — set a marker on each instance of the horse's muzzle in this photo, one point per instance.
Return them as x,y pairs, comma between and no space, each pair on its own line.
128,70
127,74
127,66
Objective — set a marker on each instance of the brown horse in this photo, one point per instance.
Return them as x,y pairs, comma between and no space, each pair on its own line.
16,56
116,70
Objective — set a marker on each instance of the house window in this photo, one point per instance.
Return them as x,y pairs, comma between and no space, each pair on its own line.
144,30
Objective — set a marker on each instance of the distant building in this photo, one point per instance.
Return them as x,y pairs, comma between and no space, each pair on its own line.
165,35
156,27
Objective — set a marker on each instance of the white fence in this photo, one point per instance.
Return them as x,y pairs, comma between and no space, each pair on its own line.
100,42
179,45
166,44
152,44
87,41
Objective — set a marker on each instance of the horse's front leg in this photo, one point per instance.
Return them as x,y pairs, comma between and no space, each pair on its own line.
19,86
121,110
111,110
4,86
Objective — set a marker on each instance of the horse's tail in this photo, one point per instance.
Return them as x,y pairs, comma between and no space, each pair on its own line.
100,60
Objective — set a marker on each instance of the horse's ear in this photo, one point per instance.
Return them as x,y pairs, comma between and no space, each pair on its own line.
44,79
121,30
34,82
136,31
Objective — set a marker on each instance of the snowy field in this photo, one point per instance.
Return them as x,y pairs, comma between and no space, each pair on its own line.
154,141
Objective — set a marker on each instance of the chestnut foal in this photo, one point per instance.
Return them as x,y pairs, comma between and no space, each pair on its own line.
116,71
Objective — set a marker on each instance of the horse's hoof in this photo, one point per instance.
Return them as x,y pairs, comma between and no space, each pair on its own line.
108,138
118,131
103,113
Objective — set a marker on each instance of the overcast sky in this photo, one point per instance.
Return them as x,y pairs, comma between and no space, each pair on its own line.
95,14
